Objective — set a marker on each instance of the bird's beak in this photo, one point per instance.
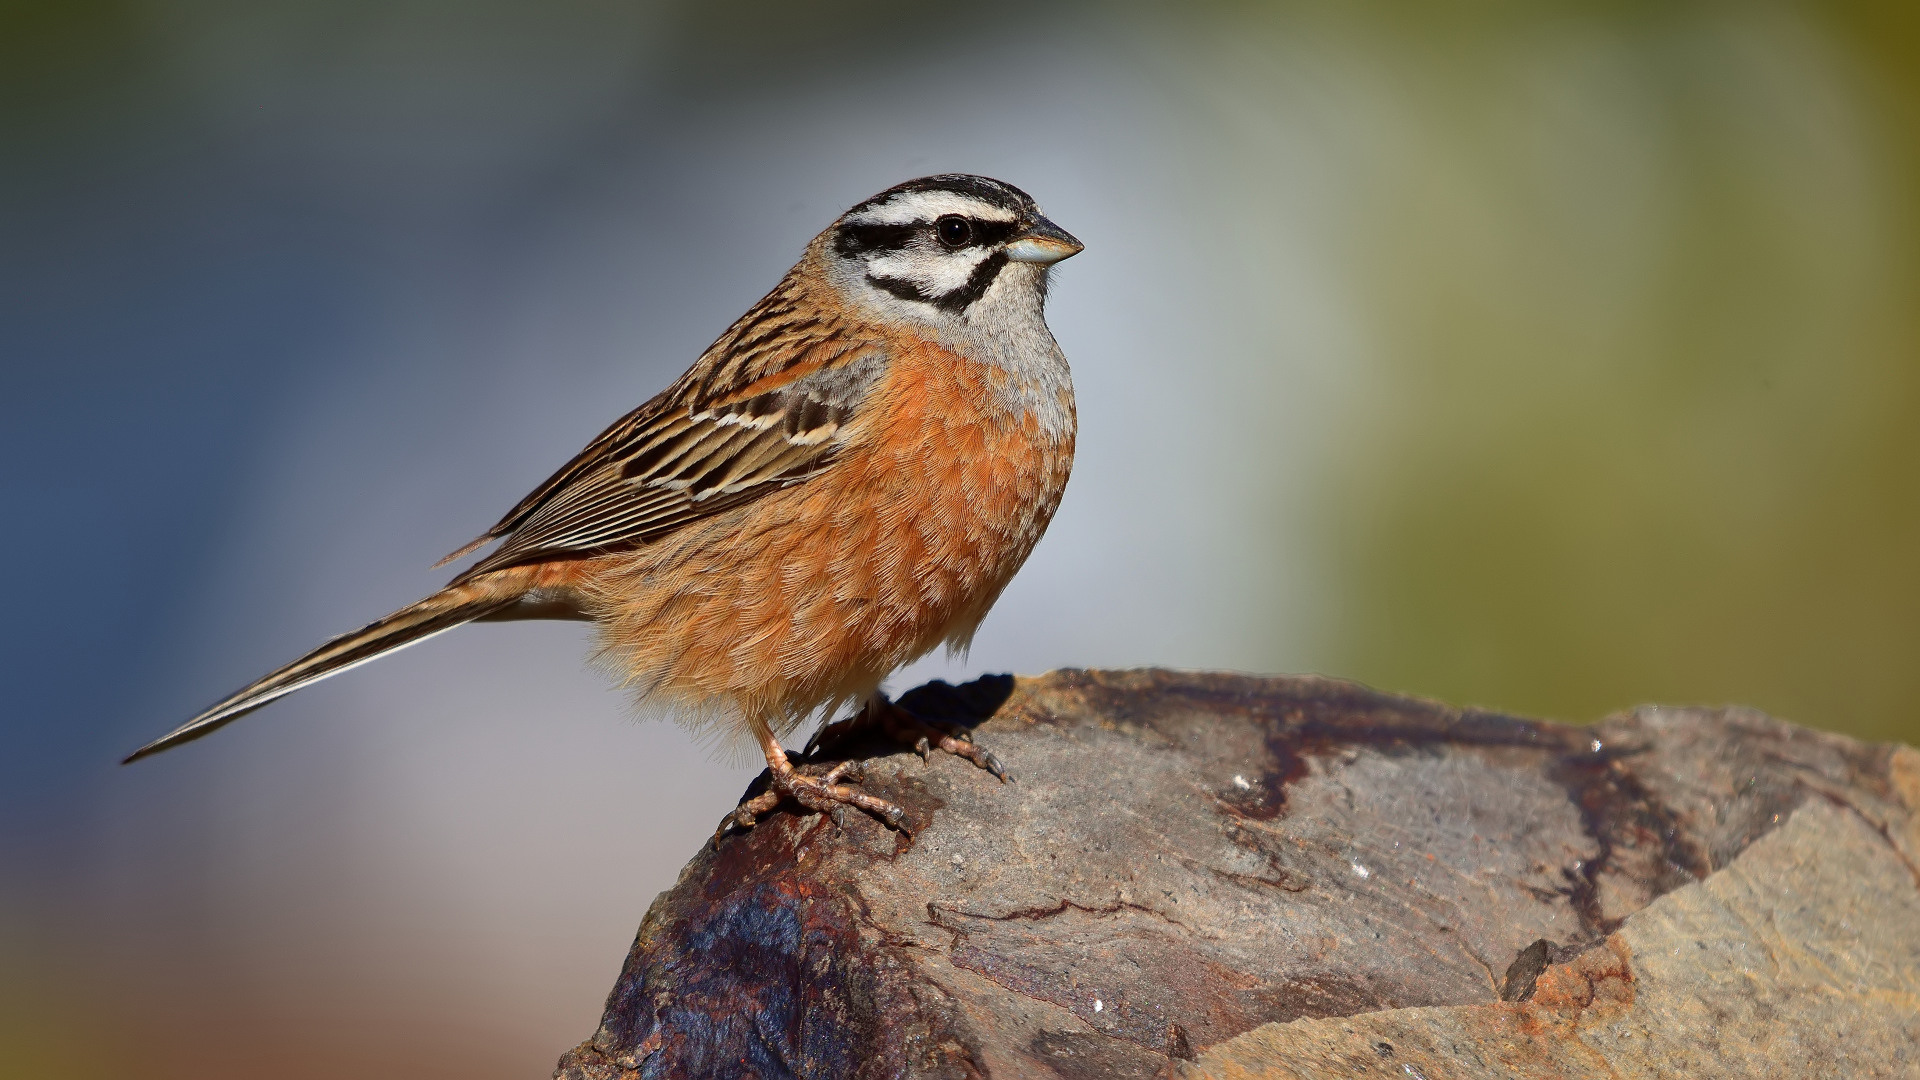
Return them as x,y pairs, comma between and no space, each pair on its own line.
1043,243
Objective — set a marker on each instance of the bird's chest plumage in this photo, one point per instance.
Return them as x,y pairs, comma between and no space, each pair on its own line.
944,482
968,462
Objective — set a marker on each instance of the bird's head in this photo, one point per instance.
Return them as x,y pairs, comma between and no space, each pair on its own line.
945,248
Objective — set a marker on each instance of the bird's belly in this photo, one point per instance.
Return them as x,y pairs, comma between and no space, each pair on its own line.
813,595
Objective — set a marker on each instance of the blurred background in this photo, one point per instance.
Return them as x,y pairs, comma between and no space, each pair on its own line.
1553,357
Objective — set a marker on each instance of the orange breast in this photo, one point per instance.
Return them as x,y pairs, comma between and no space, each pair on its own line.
812,596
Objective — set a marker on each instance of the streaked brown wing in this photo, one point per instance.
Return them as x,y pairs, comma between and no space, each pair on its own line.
668,464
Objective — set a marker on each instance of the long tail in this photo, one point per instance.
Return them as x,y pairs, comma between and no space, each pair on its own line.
410,625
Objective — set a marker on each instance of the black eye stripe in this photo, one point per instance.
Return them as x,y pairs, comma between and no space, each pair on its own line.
856,239
987,233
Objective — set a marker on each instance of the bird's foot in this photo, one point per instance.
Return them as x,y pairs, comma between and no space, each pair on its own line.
901,726
821,792
909,728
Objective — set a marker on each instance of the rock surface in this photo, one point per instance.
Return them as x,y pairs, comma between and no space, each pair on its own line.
1220,876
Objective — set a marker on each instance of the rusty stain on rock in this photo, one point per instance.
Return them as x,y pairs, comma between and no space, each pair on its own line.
1181,865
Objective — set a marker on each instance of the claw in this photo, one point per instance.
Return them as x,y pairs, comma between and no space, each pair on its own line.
737,817
930,735
747,814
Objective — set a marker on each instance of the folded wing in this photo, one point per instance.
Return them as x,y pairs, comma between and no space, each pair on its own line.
668,464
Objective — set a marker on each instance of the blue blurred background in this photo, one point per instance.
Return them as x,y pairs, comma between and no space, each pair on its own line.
1548,356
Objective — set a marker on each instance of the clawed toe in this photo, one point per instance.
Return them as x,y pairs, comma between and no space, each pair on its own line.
818,793
924,735
823,791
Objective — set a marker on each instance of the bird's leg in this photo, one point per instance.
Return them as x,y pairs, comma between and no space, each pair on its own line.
821,793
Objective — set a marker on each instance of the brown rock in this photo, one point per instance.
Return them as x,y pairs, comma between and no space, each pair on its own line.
1220,876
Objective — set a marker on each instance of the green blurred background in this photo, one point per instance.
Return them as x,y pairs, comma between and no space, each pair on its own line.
1554,357
1648,420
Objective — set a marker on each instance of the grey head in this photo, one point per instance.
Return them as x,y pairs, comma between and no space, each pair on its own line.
946,249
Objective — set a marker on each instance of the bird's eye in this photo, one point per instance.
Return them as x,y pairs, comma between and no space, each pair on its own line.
954,230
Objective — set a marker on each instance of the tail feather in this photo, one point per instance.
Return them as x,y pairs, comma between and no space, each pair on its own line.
409,626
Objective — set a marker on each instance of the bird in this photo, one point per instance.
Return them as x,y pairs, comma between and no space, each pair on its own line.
845,480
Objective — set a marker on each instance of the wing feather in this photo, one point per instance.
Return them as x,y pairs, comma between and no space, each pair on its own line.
673,462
